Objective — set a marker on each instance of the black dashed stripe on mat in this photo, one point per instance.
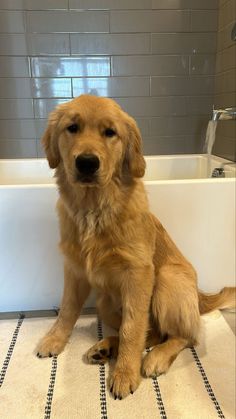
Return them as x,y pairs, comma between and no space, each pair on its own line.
207,384
10,350
103,400
48,406
160,403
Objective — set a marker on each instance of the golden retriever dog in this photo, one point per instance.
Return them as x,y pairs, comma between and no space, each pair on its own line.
146,289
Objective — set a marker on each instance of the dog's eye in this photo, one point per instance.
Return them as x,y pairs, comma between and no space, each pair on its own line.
109,132
73,128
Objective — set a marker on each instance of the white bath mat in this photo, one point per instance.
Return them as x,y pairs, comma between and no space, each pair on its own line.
199,385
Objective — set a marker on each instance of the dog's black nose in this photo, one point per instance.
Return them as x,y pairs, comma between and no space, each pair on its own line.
87,164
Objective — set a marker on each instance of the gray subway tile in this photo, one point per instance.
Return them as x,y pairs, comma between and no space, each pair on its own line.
110,4
224,100
46,4
169,4
138,43
184,4
70,66
226,59
149,65
227,129
153,106
12,21
47,88
204,20
203,4
221,2
40,149
113,87
17,128
227,13
194,144
12,4
40,126
184,43
224,37
200,105
14,67
144,125
15,149
202,64
165,145
60,21
15,88
225,147
33,4
177,125
42,107
49,44
13,44
195,85
16,108
226,82
150,21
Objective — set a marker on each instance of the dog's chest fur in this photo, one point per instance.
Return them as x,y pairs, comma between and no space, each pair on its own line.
89,244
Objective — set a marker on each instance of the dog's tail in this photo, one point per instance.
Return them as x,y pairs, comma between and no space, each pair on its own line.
226,298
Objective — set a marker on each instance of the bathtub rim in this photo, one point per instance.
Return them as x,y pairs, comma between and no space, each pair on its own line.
146,182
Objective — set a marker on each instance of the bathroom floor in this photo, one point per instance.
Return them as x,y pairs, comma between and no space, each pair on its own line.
200,383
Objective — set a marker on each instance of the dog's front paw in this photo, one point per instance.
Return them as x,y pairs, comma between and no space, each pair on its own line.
50,345
123,381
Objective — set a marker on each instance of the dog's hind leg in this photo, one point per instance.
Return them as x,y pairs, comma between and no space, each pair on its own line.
159,359
175,310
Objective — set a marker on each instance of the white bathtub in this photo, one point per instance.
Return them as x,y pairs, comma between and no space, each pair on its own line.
199,214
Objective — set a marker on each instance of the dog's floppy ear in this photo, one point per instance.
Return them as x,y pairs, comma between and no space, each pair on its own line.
50,140
134,159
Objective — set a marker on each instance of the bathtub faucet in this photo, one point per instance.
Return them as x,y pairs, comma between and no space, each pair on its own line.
223,114
220,171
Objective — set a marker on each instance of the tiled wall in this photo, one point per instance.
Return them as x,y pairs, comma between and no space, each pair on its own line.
155,57
225,84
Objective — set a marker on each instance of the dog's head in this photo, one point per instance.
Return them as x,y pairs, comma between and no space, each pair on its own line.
95,140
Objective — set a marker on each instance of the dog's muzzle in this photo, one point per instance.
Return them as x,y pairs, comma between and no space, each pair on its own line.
87,165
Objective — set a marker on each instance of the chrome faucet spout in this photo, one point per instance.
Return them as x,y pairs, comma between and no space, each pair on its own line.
224,114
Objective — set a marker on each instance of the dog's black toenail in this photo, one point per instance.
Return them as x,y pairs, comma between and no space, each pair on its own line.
115,396
131,392
50,355
38,355
120,398
111,389
97,357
